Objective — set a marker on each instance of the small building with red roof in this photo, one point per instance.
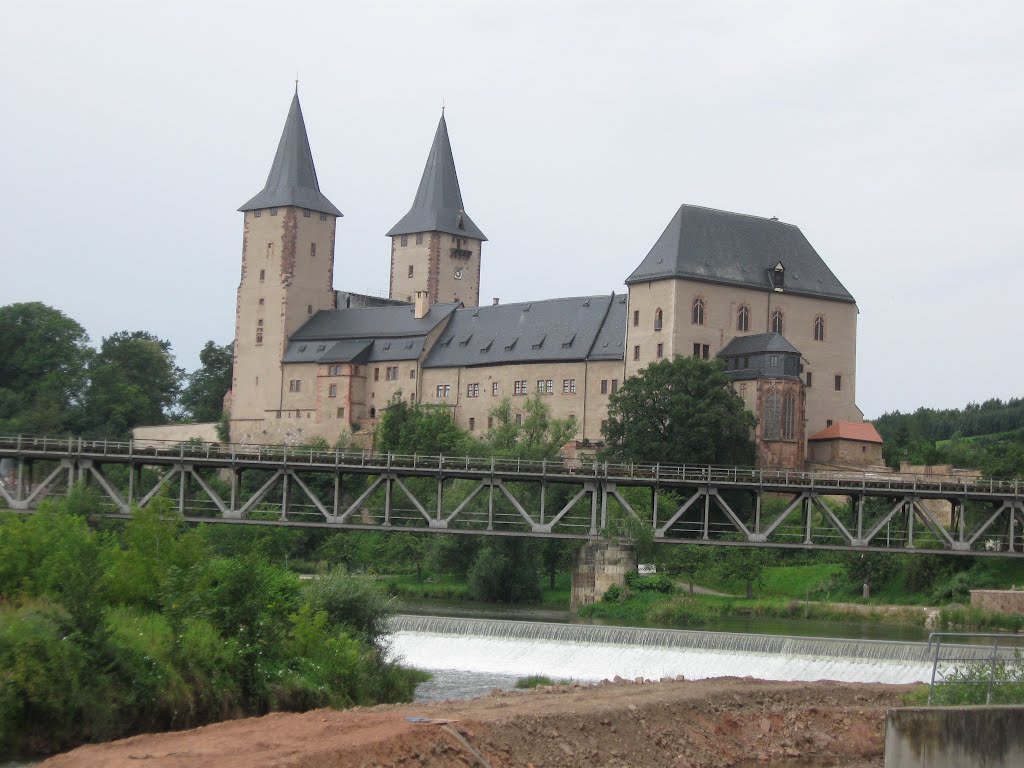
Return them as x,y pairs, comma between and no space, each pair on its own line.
846,444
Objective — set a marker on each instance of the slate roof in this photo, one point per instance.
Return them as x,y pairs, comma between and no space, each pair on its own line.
371,323
327,352
292,179
737,249
756,343
864,432
438,204
553,330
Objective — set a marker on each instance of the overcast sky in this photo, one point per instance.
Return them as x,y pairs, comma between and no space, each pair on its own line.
890,133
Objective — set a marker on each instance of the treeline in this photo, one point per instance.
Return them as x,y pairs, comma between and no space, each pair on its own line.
153,626
989,437
54,382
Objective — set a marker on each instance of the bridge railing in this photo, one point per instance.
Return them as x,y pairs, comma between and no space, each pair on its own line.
845,481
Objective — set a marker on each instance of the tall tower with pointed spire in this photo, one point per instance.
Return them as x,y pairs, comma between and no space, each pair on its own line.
435,248
287,276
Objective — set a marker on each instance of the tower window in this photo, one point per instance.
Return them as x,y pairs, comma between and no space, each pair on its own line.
323,217
657,319
306,213
257,214
788,416
604,386
312,250
808,379
404,240
661,351
697,311
615,386
273,211
839,382
261,302
636,352
771,416
636,317
472,424
411,270
309,309
743,318
263,275
778,321
332,391
494,388
419,238
259,335
819,328
376,374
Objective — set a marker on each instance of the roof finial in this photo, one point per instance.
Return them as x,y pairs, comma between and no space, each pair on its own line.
442,107
296,83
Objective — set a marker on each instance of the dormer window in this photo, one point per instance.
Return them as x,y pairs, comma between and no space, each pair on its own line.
778,277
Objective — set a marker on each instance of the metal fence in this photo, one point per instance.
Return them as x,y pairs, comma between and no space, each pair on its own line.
981,661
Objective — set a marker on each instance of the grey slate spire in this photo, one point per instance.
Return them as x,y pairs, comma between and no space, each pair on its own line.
292,179
438,204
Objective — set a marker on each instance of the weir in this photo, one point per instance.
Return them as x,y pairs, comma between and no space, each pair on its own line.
478,648
644,637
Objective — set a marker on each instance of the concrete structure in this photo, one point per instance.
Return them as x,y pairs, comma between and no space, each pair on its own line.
313,362
998,600
598,566
955,737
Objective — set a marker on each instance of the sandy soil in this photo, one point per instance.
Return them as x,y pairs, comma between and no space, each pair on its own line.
713,723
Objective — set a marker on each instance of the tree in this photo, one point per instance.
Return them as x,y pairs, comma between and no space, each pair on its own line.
133,380
681,411
746,564
539,436
867,568
203,396
690,559
43,360
428,430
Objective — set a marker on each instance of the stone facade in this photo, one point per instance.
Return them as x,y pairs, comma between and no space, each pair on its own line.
598,566
846,453
833,356
998,600
446,266
287,276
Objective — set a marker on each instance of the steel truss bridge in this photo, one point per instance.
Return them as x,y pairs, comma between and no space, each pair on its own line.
576,499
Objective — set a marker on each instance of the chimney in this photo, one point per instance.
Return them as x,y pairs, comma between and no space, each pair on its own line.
422,304
494,301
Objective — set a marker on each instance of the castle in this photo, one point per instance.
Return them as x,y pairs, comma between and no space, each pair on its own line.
311,361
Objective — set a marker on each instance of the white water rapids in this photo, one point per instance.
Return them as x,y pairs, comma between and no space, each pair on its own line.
501,651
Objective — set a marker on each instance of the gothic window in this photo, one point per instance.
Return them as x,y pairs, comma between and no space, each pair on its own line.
788,416
819,328
771,416
778,322
697,312
657,319
743,318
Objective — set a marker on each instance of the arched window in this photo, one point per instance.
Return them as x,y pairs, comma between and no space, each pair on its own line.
778,322
819,328
771,417
657,319
788,416
697,313
743,318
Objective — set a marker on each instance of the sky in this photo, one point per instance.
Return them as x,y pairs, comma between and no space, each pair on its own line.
891,133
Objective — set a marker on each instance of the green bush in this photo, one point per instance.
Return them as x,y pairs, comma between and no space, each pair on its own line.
355,602
955,589
682,613
656,583
614,594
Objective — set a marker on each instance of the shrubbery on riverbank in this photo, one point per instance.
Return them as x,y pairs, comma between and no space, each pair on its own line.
145,627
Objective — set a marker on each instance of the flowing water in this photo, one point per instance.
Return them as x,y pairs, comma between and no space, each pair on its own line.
469,656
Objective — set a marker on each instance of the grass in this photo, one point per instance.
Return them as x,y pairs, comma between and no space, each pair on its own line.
534,681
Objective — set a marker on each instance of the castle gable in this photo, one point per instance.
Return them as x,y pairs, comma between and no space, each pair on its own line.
738,249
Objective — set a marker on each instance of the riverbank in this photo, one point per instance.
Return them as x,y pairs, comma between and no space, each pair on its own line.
714,723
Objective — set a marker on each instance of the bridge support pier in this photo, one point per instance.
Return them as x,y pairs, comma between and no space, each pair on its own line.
599,565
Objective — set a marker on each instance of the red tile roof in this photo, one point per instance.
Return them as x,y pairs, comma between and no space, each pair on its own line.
863,431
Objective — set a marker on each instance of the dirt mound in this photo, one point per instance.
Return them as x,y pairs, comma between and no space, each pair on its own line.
714,723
